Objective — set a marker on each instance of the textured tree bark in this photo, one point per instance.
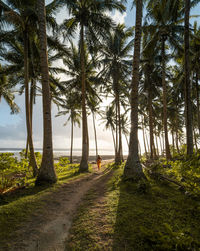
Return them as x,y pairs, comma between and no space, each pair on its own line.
95,134
32,163
168,154
133,169
72,137
46,172
188,105
84,160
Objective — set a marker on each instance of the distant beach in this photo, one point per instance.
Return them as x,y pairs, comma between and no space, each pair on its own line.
106,154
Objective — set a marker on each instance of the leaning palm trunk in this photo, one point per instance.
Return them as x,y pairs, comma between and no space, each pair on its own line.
133,169
84,160
188,104
46,171
95,134
168,154
33,163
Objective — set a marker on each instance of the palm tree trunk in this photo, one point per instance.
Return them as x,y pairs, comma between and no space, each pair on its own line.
177,145
117,161
197,97
113,140
31,113
161,149
195,141
33,163
120,132
156,138
188,105
150,120
126,139
72,136
95,134
133,169
148,148
46,171
84,160
145,147
167,149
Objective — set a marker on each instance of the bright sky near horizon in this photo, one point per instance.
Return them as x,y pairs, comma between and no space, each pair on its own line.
13,127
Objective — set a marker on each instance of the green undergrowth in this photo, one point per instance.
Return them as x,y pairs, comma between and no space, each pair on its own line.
17,206
158,217
183,169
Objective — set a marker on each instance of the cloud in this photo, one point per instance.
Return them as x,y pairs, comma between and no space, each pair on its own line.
118,17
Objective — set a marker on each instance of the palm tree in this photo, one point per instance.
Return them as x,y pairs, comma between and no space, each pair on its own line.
92,80
133,169
188,105
90,16
46,171
71,106
116,67
165,28
108,117
21,16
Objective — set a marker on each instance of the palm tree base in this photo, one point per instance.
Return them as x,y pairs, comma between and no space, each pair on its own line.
83,166
45,178
133,170
118,160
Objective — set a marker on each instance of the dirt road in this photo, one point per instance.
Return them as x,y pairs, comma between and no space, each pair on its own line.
49,230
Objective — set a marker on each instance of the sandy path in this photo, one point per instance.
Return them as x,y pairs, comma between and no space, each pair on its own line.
49,230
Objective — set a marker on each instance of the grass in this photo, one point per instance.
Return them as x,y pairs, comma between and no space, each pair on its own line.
16,208
126,217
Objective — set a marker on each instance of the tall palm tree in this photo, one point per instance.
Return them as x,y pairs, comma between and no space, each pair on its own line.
133,169
116,67
71,105
89,16
46,171
188,105
165,29
20,15
108,117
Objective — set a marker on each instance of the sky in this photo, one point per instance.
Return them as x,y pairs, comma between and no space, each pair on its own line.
13,127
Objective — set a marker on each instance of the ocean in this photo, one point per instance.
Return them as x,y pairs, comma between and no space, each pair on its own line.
61,152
